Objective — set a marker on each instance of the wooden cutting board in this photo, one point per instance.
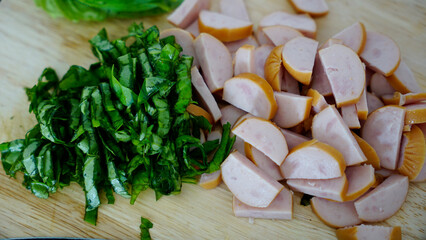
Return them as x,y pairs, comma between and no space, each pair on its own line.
31,41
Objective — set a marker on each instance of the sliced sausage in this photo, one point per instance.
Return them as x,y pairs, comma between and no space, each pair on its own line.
369,232
215,61
244,60
301,22
187,12
362,106
298,57
381,53
247,182
384,200
383,131
234,8
260,55
403,80
184,39
280,208
319,80
318,100
210,180
289,84
280,35
335,214
251,93
372,157
360,179
263,162
422,175
238,145
264,136
235,45
215,134
193,28
346,83
292,109
293,139
316,8
230,114
333,189
223,27
274,69
204,94
415,113
412,153
313,160
380,86
198,111
350,116
329,127
373,102
353,36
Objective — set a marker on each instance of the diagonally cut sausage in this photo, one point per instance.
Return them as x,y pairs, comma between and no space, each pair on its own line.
298,57
347,83
383,131
215,61
223,27
329,127
381,53
247,182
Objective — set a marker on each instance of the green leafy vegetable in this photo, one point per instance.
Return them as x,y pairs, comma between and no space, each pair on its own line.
120,126
98,10
145,226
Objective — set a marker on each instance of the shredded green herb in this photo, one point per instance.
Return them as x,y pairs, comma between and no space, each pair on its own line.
120,126
99,10
145,226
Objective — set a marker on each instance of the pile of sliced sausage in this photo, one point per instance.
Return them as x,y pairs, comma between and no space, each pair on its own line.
343,121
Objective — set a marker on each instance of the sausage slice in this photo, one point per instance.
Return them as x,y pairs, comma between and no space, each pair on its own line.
316,8
403,80
298,57
353,36
313,160
204,94
381,53
264,136
329,127
247,182
369,232
301,22
335,214
412,153
360,179
292,109
280,208
384,200
280,35
244,60
251,93
215,61
223,27
333,189
347,83
383,131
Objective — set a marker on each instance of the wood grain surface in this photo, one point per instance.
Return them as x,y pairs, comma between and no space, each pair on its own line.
31,41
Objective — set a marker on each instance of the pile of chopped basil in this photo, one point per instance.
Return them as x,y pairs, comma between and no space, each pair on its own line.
121,126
